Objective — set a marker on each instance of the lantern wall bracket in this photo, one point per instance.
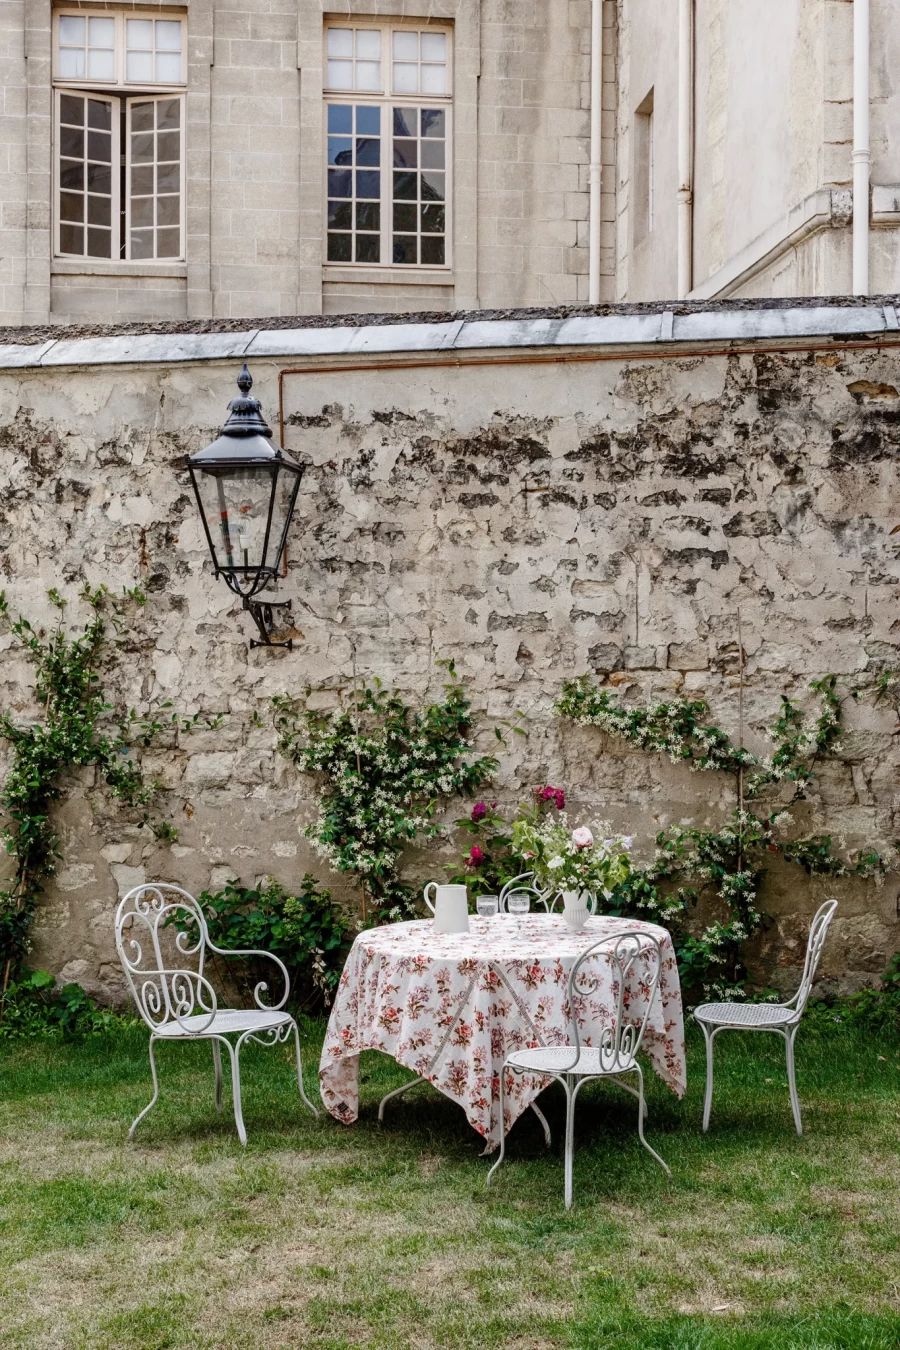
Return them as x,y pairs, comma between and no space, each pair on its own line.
261,613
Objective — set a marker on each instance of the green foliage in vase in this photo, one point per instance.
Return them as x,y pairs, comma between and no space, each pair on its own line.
74,726
307,931
386,767
727,863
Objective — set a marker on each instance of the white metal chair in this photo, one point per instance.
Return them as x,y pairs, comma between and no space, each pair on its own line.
526,882
635,955
178,1002
783,1018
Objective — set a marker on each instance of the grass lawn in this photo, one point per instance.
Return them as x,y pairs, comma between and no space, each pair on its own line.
327,1237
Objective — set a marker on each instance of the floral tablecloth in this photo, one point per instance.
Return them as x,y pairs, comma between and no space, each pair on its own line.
451,1007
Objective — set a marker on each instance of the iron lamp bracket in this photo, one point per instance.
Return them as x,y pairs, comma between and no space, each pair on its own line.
261,612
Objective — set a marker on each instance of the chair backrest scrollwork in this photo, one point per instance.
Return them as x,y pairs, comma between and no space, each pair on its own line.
527,883
166,986
818,931
635,958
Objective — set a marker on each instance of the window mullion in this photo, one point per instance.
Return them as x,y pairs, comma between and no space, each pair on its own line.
387,179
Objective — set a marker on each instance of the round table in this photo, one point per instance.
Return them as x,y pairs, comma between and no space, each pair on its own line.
450,1007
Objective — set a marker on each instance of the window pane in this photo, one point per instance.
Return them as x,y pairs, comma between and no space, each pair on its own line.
368,152
142,181
405,154
433,122
368,216
432,154
139,67
340,183
141,211
433,187
340,150
71,110
168,145
368,75
405,186
340,74
101,65
405,248
168,68
168,35
406,78
405,215
71,174
71,142
142,243
405,121
168,210
141,149
433,250
434,46
99,146
99,210
168,243
139,34
142,116
368,43
98,243
340,118
99,115
368,248
71,239
71,63
99,178
339,247
406,46
434,80
168,178
71,206
432,219
102,33
339,215
340,42
168,113
71,31
368,183
368,121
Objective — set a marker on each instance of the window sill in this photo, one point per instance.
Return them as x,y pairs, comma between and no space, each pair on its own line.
99,267
388,276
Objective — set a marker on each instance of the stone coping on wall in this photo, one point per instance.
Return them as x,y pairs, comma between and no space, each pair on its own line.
641,326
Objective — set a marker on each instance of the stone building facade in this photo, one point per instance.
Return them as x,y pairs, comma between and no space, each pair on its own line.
532,498
162,161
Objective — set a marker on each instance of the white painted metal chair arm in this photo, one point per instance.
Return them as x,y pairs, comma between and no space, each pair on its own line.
263,986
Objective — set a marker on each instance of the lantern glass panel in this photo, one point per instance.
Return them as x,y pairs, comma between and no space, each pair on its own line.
236,503
284,492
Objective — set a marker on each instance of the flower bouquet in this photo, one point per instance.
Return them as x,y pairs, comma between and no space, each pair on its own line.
579,864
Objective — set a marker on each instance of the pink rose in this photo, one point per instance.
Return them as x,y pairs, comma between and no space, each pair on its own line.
582,837
476,856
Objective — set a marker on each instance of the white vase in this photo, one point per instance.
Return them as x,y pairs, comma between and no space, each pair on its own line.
577,908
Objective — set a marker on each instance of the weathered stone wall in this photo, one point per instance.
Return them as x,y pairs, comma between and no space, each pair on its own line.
529,521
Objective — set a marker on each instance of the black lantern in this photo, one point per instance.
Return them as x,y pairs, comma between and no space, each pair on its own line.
246,489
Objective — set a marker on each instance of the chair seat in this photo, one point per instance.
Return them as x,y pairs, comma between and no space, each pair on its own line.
746,1014
558,1059
225,1020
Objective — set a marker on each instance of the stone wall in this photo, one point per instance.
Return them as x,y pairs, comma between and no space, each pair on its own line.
531,521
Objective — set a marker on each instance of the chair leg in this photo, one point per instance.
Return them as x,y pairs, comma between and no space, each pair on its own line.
792,1080
543,1119
300,1072
397,1092
490,1175
153,1099
570,1140
663,1165
235,1051
217,1061
709,1036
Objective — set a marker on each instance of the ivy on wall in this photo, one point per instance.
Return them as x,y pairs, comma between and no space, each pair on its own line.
727,863
386,766
76,727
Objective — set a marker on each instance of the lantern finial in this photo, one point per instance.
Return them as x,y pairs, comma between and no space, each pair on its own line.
245,413
245,380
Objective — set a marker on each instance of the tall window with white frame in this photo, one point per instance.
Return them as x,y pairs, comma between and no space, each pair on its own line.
118,135
388,97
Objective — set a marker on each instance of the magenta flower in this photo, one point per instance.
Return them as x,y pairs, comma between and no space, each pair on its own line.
476,856
479,811
560,798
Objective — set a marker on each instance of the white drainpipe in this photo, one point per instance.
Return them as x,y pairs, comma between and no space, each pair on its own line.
861,151
686,147
595,171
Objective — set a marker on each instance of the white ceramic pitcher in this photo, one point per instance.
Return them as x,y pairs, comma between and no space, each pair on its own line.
577,906
450,908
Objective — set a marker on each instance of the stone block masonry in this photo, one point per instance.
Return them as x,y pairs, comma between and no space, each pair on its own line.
531,521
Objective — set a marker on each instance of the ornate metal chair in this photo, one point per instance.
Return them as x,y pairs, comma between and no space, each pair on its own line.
526,882
784,1018
165,973
633,953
